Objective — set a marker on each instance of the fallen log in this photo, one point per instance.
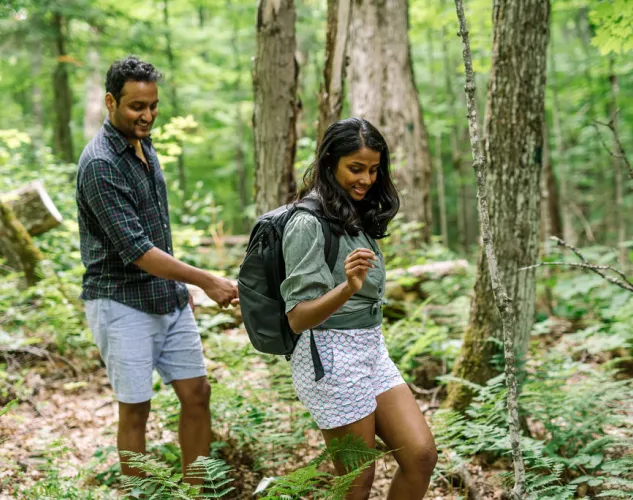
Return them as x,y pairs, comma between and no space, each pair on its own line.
404,284
431,271
33,207
17,247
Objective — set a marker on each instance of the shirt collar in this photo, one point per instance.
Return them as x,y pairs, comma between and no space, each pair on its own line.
118,140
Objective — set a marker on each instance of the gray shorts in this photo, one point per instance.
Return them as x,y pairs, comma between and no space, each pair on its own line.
132,343
357,368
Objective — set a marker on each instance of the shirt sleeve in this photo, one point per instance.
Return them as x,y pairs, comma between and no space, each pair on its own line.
308,276
113,201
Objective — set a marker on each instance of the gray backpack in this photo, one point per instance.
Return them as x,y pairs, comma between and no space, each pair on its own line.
261,274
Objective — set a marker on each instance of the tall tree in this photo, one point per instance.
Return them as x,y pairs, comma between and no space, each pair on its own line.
513,146
240,167
274,114
618,168
173,93
63,100
566,188
331,94
465,226
95,106
382,90
550,194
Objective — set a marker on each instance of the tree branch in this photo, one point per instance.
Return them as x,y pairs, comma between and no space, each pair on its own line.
595,268
504,303
619,153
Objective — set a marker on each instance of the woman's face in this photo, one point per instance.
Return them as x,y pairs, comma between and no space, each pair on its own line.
356,173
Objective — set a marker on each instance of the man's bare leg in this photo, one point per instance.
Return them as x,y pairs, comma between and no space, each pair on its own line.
194,428
131,433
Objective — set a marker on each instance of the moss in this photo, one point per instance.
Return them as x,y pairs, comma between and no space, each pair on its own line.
17,246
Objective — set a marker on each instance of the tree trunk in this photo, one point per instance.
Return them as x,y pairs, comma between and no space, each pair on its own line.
364,62
33,207
17,247
463,198
274,114
61,93
37,96
240,167
173,93
551,202
331,94
440,189
618,170
383,91
95,107
569,235
513,142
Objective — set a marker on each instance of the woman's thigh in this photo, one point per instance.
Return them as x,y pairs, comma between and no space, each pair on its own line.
402,426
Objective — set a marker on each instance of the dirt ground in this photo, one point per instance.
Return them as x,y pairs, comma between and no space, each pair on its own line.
79,416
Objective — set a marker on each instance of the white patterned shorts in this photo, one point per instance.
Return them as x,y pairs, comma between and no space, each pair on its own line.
357,368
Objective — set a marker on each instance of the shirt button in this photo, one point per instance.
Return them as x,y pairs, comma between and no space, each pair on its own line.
165,226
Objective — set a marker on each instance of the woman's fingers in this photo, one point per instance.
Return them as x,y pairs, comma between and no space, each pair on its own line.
366,252
365,256
360,266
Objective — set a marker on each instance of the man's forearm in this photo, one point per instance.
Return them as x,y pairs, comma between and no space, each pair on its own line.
161,264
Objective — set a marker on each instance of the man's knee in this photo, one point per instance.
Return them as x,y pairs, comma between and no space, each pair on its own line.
134,415
193,393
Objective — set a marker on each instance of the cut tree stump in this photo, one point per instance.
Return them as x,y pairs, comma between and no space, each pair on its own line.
33,207
16,245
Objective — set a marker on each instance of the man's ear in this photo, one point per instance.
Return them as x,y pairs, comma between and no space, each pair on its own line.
110,102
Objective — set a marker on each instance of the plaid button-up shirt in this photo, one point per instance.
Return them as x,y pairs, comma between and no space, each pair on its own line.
123,213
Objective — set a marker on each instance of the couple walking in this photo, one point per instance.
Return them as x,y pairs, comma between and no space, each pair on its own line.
140,313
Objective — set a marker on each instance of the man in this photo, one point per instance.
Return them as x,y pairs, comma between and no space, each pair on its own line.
136,302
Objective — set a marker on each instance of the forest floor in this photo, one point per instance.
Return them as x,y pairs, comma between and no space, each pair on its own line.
68,424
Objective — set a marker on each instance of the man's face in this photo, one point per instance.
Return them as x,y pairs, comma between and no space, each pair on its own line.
136,110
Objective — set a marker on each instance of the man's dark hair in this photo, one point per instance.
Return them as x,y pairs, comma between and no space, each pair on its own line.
130,69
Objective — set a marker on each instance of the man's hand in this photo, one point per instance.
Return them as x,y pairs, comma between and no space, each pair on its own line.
223,291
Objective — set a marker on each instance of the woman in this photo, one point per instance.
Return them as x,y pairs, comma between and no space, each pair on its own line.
362,391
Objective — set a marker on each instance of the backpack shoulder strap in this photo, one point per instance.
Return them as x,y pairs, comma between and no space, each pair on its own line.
332,239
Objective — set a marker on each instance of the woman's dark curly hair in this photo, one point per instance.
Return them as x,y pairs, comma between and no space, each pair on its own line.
130,69
381,203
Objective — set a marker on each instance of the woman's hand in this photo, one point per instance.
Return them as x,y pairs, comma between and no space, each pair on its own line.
357,264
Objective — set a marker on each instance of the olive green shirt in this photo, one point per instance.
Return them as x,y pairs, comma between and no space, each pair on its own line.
308,276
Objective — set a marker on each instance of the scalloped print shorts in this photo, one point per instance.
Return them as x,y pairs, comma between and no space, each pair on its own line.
357,368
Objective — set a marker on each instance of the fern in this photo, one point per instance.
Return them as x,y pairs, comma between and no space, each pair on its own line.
577,420
8,406
162,483
351,451
298,483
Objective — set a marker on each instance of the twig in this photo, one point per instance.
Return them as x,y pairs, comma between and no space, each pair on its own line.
620,154
504,303
595,268
40,353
